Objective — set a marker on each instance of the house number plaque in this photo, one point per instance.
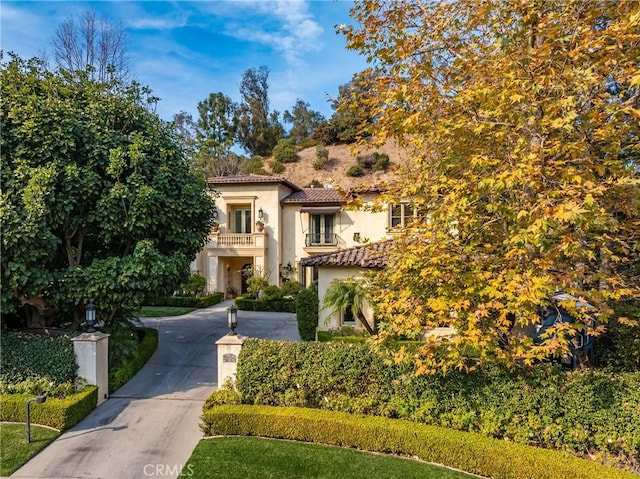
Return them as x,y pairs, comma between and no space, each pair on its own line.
228,358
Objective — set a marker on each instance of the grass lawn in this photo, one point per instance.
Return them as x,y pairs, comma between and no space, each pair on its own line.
14,450
159,311
242,457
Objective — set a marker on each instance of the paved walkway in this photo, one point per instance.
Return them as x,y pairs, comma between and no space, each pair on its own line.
149,427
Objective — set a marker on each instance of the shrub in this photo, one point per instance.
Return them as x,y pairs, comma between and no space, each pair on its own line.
276,166
312,374
194,286
39,386
225,395
256,285
374,161
322,157
466,451
307,304
123,342
57,413
272,293
354,171
367,161
285,151
254,166
123,372
306,143
188,301
619,347
382,162
291,288
281,305
590,412
28,357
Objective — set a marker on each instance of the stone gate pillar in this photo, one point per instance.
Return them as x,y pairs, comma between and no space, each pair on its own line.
92,356
229,347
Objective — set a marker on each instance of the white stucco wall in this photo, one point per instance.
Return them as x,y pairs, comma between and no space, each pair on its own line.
371,227
325,276
286,229
219,269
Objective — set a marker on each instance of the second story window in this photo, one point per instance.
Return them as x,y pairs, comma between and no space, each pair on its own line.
322,229
400,215
242,220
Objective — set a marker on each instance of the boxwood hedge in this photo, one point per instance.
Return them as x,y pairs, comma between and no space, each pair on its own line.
60,414
275,305
466,451
189,301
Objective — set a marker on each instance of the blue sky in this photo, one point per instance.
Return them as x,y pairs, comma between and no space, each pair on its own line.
186,50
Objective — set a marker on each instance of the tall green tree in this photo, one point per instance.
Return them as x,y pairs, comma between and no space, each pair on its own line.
523,122
303,120
98,203
215,131
259,128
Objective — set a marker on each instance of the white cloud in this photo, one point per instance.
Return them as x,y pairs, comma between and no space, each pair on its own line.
156,23
296,32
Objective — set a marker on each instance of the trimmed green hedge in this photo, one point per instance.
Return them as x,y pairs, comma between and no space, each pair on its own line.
28,356
466,451
123,372
189,301
307,313
276,305
591,412
60,414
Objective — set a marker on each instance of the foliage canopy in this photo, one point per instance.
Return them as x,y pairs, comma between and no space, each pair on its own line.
98,203
522,118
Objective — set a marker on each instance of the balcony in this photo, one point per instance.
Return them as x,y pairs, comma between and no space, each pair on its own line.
238,243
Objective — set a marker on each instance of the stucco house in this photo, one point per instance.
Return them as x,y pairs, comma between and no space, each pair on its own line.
273,226
342,265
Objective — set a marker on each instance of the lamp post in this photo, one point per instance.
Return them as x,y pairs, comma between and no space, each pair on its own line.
232,320
37,400
90,318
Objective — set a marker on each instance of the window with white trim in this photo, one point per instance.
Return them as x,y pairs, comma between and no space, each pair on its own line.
399,214
322,231
241,220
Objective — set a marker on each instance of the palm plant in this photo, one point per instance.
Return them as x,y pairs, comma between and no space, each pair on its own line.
347,295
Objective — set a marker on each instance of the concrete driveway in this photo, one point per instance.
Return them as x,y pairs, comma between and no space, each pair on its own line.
149,427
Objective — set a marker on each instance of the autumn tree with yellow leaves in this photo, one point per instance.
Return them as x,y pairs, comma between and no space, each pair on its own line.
522,118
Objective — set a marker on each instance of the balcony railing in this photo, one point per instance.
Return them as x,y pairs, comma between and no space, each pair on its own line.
321,239
236,239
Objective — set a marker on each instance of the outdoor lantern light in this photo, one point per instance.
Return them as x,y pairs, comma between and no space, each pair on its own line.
90,318
260,214
37,400
215,214
356,237
232,319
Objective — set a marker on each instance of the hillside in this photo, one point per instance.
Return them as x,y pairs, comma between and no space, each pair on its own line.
341,157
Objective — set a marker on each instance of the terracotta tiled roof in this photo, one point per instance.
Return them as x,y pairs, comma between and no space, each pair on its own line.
369,256
314,195
252,179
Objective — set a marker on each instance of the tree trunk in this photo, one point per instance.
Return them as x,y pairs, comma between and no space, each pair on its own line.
38,311
365,324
